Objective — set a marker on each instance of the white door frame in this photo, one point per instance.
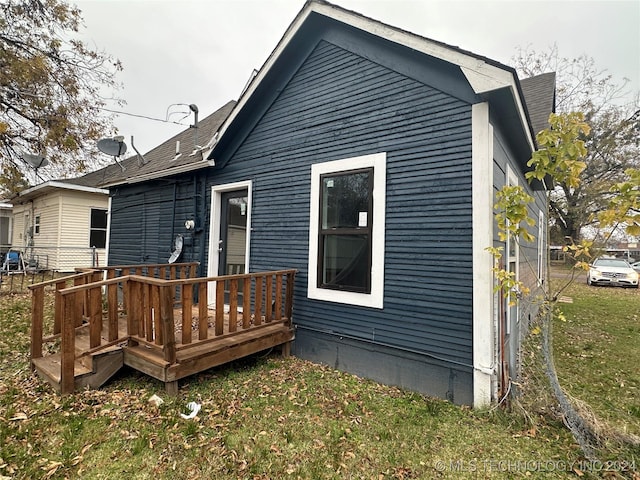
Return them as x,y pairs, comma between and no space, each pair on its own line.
214,229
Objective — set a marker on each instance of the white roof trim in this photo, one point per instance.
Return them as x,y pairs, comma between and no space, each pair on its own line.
64,186
482,76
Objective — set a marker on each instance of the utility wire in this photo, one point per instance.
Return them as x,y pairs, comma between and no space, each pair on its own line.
142,116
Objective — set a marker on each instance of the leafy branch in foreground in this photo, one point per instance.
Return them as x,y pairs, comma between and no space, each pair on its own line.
559,159
51,87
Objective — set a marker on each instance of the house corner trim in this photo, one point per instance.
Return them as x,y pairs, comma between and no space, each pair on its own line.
484,362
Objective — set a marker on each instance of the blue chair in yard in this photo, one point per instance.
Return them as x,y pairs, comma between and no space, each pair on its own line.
13,261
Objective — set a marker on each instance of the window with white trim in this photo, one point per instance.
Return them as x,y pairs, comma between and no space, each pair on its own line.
346,234
541,249
36,225
513,263
98,229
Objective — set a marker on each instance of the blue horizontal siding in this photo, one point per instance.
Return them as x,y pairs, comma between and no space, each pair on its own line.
340,105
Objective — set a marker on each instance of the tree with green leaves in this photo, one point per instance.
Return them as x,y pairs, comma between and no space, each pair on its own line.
612,144
51,87
561,159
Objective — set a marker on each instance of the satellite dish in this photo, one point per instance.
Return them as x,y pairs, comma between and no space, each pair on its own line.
36,161
112,146
177,245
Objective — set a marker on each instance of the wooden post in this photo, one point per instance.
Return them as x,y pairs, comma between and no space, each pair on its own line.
268,308
219,307
68,339
203,312
171,388
156,305
288,303
233,305
81,307
58,312
168,328
246,303
278,302
187,307
37,314
134,312
258,302
95,316
112,310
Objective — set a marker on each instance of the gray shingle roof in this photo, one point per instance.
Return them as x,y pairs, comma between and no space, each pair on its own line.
539,94
161,161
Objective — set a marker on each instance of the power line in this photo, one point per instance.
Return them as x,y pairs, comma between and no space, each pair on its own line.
142,116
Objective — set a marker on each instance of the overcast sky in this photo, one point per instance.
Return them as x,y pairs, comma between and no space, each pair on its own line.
203,52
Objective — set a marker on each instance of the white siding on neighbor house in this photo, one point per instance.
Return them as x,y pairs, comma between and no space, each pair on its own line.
63,241
75,224
17,239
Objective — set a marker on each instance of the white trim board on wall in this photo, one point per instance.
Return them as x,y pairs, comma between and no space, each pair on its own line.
214,229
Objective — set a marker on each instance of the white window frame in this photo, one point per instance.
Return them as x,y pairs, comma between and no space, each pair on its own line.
375,299
214,230
512,181
541,249
95,229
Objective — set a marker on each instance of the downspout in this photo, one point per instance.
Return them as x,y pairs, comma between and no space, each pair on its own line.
173,217
195,213
203,198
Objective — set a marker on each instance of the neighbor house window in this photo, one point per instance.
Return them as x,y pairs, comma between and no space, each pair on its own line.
347,225
36,225
98,230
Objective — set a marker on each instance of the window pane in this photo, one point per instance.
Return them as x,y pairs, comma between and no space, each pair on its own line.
98,218
346,262
344,197
98,238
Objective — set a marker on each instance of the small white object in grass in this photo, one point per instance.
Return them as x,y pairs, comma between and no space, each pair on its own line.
194,408
155,400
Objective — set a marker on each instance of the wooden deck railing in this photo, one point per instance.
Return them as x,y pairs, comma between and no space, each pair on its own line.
38,337
254,299
87,304
149,303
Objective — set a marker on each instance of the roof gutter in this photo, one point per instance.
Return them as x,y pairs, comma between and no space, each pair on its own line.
65,186
190,167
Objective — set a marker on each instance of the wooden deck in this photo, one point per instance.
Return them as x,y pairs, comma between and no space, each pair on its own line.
160,326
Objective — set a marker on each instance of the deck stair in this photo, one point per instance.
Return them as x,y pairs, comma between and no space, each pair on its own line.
147,318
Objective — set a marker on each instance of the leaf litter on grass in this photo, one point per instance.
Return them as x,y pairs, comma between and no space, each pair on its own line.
261,418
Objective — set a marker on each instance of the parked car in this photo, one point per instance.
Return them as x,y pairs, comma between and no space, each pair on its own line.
612,271
636,266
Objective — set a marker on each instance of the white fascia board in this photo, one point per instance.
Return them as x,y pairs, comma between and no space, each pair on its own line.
486,78
164,173
482,76
484,351
65,186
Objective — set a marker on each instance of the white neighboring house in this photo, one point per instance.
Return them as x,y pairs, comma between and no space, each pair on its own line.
62,224
5,227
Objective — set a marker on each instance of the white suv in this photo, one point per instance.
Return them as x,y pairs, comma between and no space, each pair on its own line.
612,271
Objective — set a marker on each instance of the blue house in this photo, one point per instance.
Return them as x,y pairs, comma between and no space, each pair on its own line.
367,158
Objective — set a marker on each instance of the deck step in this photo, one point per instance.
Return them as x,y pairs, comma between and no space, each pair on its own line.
89,371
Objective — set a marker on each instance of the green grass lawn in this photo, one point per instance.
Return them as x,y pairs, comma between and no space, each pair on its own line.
270,417
598,352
